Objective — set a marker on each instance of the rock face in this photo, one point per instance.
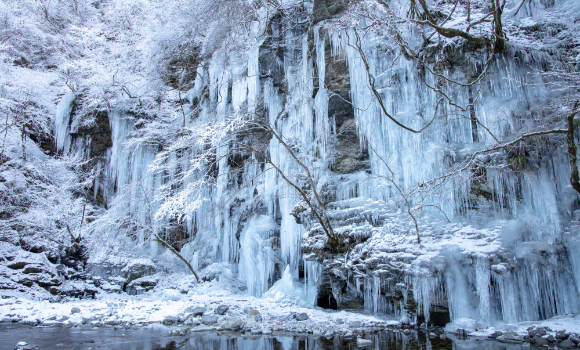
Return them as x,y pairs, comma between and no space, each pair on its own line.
326,9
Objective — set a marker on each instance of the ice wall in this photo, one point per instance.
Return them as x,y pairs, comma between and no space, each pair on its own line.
245,216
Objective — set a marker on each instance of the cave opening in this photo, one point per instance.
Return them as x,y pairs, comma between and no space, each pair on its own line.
327,301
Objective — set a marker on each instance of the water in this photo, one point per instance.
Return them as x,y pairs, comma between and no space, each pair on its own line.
156,338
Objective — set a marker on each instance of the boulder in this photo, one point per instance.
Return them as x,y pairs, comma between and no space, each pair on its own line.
209,320
233,323
510,338
496,334
561,335
258,318
195,311
566,344
75,310
169,320
540,341
254,312
301,316
222,309
138,268
574,338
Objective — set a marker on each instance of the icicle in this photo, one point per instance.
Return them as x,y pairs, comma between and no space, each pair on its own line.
62,120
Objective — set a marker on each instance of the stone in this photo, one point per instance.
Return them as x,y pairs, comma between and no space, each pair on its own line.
75,310
329,334
510,338
363,342
566,344
233,323
196,311
540,341
354,324
301,316
169,320
561,335
442,336
432,335
254,312
496,334
256,331
138,268
574,338
258,318
266,331
209,320
115,322
222,309
540,331
339,321
24,346
551,338
192,322
202,328
247,310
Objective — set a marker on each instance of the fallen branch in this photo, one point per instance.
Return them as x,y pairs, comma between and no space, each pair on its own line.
168,246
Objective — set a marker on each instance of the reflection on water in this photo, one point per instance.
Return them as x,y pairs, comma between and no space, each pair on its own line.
155,338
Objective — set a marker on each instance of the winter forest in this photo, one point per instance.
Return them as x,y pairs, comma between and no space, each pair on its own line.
302,174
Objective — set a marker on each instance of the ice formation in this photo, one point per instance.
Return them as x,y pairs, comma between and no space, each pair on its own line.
515,258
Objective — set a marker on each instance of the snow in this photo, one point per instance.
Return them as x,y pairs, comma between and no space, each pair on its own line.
567,322
155,306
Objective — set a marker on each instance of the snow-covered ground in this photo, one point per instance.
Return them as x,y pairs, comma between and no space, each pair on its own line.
211,306
196,309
